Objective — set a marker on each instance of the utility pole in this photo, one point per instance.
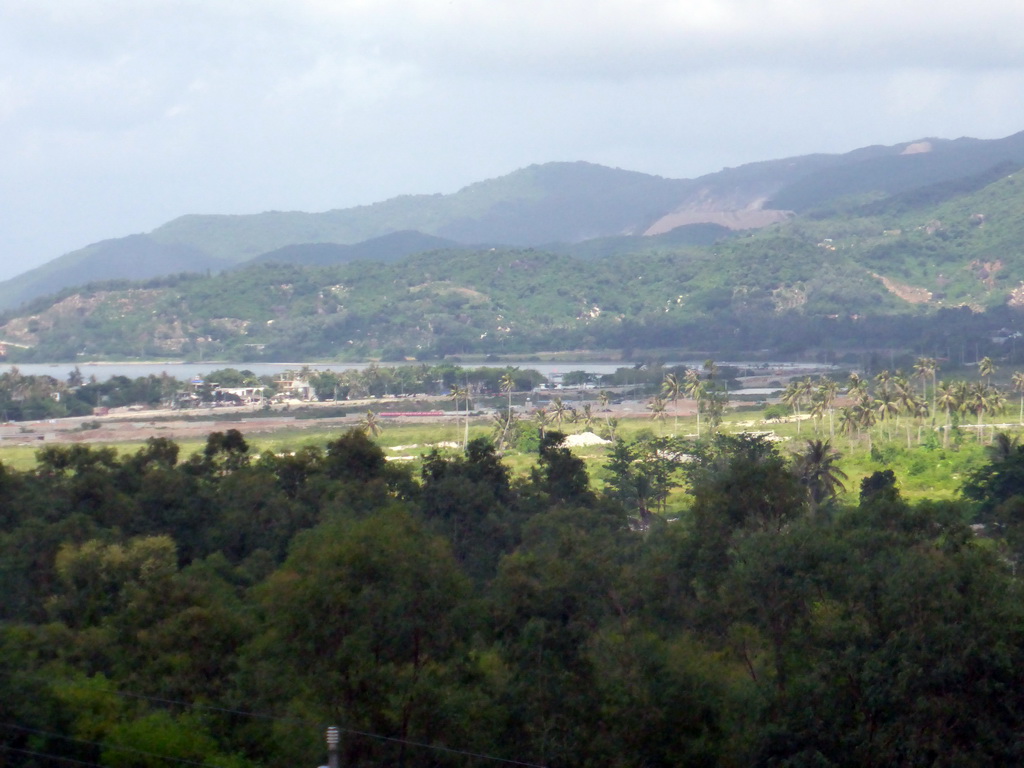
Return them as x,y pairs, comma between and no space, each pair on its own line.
332,747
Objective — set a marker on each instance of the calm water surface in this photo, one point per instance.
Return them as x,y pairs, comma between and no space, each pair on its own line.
184,371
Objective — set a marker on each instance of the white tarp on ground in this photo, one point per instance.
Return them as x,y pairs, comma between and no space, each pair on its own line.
583,439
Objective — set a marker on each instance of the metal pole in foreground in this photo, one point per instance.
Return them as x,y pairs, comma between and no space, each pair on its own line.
332,747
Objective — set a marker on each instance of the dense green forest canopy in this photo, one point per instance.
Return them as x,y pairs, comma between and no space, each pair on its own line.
222,608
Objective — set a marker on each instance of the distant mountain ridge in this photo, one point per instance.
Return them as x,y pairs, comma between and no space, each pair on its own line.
561,204
936,267
385,249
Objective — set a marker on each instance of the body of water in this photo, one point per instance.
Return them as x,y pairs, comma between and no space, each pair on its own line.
185,371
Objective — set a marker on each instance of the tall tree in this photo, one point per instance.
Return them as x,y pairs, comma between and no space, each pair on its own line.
371,425
982,399
857,386
1018,386
986,367
887,406
672,388
508,386
948,398
925,368
657,409
695,388
587,417
559,410
456,394
827,392
542,419
818,470
361,620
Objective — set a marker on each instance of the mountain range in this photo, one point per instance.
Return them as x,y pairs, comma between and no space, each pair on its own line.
535,206
881,231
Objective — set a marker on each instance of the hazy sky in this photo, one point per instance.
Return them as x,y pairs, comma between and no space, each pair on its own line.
119,115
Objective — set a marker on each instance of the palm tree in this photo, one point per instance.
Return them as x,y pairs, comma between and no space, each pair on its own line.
948,398
715,403
1018,386
887,406
587,416
559,410
817,470
997,402
672,388
848,422
816,410
657,409
857,386
883,379
980,399
1003,447
791,397
806,389
923,368
921,412
504,424
695,388
574,416
906,400
865,413
542,419
455,394
828,390
370,425
986,368
508,385
461,393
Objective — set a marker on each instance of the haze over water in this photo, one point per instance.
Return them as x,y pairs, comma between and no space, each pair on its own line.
182,371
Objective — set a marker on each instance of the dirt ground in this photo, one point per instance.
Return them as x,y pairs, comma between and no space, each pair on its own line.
128,425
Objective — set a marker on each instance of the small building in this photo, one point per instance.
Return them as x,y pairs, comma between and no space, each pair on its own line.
294,388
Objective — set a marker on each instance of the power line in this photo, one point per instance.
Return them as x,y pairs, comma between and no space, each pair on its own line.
7,748
292,720
113,747
439,748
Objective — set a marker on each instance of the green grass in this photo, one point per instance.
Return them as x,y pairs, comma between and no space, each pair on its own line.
922,472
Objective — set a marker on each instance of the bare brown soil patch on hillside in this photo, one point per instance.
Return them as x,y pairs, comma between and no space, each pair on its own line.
909,293
747,218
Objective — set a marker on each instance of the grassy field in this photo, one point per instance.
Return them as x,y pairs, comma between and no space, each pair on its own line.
924,472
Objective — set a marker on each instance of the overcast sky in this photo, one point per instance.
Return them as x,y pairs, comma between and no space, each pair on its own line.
119,115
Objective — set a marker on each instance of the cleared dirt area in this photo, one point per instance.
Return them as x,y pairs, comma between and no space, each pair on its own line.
138,425
128,425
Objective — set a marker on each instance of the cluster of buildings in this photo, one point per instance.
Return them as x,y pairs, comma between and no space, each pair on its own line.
286,388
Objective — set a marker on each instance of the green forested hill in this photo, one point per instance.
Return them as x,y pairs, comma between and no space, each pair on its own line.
566,206
897,270
392,247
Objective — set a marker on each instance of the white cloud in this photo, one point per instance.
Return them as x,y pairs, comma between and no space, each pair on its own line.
176,106
657,36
